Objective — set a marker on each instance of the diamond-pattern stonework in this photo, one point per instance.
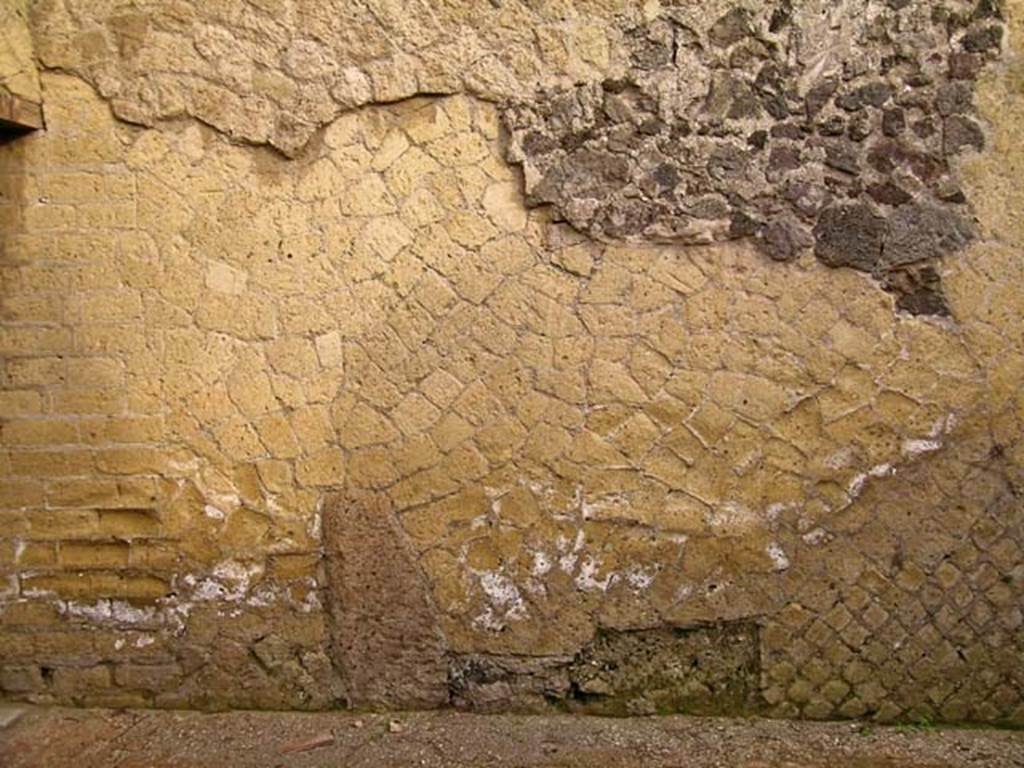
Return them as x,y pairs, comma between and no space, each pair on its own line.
907,639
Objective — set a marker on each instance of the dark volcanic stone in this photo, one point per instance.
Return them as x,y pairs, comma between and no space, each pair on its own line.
888,194
787,131
875,94
667,176
924,128
988,9
708,208
954,98
631,217
926,167
983,39
806,198
536,143
894,122
842,156
885,156
870,95
651,54
781,16
748,54
834,126
961,132
819,96
918,291
745,104
784,240
733,126
844,187
784,159
920,232
849,236
965,66
742,225
615,86
771,84
586,173
860,127
728,162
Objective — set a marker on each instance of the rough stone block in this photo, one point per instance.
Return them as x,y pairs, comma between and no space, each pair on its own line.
704,670
385,635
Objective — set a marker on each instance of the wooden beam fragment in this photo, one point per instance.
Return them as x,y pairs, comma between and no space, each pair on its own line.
17,114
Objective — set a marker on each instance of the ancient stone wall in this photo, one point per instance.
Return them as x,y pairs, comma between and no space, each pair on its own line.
608,356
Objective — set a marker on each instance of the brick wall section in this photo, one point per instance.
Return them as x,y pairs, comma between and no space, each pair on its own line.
81,475
101,520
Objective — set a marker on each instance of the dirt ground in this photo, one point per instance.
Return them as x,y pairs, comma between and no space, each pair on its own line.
53,738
